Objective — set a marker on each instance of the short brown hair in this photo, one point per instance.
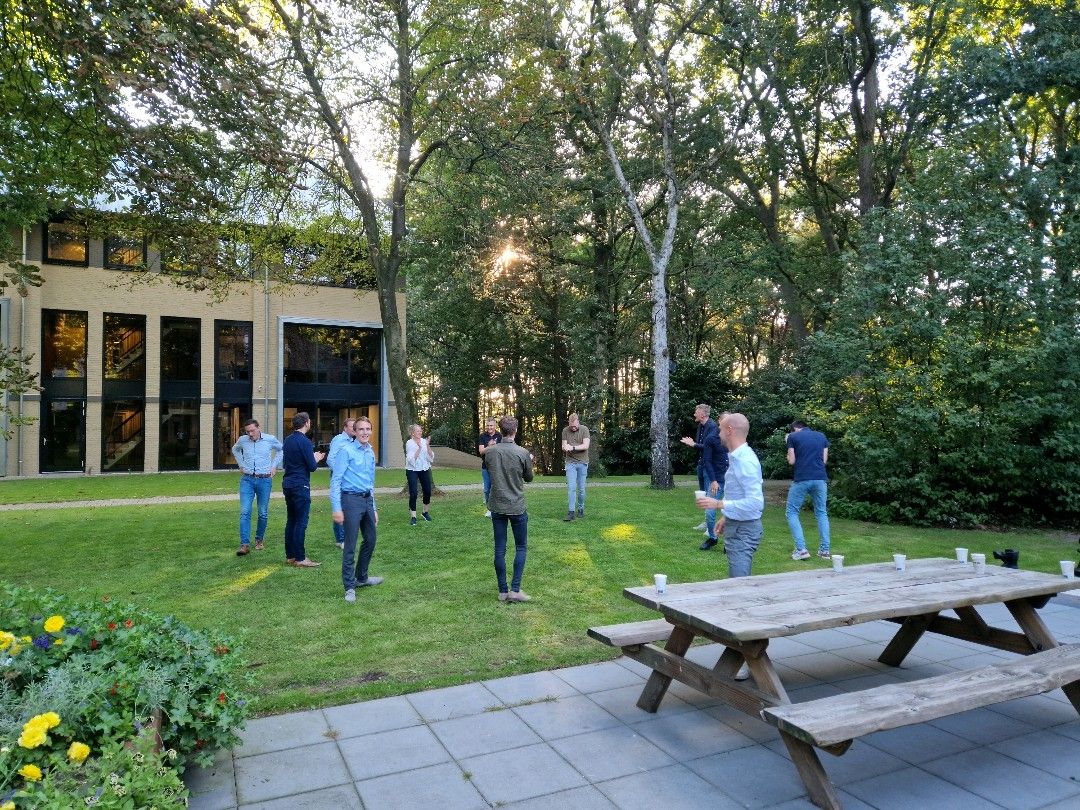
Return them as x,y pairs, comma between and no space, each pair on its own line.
508,425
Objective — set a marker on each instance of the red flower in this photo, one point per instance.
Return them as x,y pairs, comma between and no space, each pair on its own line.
221,649
112,625
199,744
115,688
221,698
128,623
94,644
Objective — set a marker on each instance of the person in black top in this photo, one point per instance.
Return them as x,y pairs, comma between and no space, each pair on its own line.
706,428
490,438
299,461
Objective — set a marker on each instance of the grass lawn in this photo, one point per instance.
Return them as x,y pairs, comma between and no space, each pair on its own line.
436,620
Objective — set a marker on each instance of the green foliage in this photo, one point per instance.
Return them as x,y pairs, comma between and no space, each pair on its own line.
112,666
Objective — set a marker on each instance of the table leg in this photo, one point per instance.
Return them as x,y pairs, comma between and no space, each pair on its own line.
1041,639
817,782
656,687
906,637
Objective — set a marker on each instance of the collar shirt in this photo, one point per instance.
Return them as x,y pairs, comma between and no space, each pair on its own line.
260,457
704,431
354,471
418,462
335,446
743,496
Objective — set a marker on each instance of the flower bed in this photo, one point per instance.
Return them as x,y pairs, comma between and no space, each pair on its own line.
103,705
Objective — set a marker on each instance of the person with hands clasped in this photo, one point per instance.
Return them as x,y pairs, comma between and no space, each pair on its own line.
418,460
575,447
352,500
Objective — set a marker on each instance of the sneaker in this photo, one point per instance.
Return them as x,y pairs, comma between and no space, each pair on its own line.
569,517
518,596
800,555
504,597
258,545
412,521
244,549
580,513
364,583
306,563
709,543
825,555
701,527
743,674
427,517
487,514
350,595
340,545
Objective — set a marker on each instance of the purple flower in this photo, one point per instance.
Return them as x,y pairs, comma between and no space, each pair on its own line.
44,642
73,631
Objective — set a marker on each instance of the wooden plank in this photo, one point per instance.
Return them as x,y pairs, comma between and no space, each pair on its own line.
833,720
817,782
980,632
911,630
1040,636
625,635
659,681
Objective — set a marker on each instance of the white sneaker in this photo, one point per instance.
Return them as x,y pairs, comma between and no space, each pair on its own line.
743,674
701,526
800,555
487,513
350,595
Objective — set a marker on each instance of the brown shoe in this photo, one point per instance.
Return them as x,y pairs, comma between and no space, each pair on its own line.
306,563
244,549
518,596
290,561
258,545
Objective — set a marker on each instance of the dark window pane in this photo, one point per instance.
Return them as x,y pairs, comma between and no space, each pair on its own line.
179,435
364,355
233,346
62,435
334,355
125,252
180,349
63,344
124,347
66,242
300,353
228,419
122,436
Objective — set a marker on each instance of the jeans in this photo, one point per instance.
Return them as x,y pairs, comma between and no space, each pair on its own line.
741,540
359,519
796,497
520,526
423,477
576,473
710,514
252,489
487,482
297,509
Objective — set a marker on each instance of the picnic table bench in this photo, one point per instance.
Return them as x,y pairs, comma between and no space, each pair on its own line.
744,614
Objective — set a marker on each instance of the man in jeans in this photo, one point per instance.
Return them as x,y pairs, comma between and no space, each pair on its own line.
510,466
808,453
489,438
258,455
575,447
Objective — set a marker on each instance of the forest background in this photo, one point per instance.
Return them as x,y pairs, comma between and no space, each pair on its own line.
862,213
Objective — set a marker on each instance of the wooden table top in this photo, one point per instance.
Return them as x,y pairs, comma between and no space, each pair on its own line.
775,605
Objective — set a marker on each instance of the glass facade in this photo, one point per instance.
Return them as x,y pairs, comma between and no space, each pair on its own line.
63,345
178,447
125,252
124,347
181,349
123,392
63,391
232,346
66,242
332,355
232,385
122,435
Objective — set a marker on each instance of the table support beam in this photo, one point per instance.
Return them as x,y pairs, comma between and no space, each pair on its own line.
817,782
656,687
1041,639
906,637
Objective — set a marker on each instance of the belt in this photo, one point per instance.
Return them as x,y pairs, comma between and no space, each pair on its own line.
259,475
366,493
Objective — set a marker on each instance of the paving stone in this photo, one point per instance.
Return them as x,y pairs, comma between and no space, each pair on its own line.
564,717
444,786
622,703
454,701
1046,751
281,731
483,733
756,729
676,786
830,639
582,798
921,742
610,753
529,688
880,631
787,647
1001,779
371,716
283,773
755,777
391,751
915,789
1040,711
983,726
823,666
859,762
692,735
214,800
598,677
524,773
343,797
634,666
213,787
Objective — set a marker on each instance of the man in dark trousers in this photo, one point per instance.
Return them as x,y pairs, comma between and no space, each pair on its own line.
715,462
488,438
299,461
808,453
510,466
706,427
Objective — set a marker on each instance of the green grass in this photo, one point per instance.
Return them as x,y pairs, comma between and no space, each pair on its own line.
436,621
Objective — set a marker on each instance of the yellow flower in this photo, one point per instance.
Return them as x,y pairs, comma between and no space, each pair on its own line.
78,751
7,806
32,737
31,772
51,719
6,639
16,649
27,639
54,624
57,641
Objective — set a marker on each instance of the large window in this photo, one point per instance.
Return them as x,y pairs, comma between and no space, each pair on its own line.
180,392
125,252
122,435
124,347
179,443
180,349
331,355
229,417
232,344
66,242
232,385
63,394
63,344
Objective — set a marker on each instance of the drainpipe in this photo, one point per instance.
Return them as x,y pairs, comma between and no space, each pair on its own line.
266,348
22,348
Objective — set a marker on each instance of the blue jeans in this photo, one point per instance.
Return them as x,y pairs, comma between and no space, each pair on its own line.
576,473
741,540
710,514
520,526
252,489
297,509
359,513
487,482
818,492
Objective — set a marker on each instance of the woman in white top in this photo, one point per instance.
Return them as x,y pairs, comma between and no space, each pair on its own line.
418,458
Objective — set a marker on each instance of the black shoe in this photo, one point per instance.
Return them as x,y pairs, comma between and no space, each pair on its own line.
569,517
580,514
712,541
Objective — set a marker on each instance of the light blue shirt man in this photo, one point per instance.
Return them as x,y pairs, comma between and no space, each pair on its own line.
352,499
259,456
353,471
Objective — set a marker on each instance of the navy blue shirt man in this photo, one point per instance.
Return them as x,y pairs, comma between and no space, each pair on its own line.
489,438
714,459
299,461
706,428
808,453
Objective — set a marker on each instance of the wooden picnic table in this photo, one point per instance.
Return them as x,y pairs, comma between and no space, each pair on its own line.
743,614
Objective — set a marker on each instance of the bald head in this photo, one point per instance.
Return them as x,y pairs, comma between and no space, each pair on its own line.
734,428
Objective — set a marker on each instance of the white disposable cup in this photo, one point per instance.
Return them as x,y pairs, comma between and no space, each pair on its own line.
699,493
661,583
980,562
900,561
838,562
961,555
1068,569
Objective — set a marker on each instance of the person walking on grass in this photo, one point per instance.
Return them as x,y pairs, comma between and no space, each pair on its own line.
418,460
706,427
489,438
575,447
344,437
299,462
510,466
715,462
352,500
742,503
808,453
258,456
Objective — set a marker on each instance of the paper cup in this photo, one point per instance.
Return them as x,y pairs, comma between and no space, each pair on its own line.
961,555
980,563
838,562
900,561
661,583
699,493
1068,569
